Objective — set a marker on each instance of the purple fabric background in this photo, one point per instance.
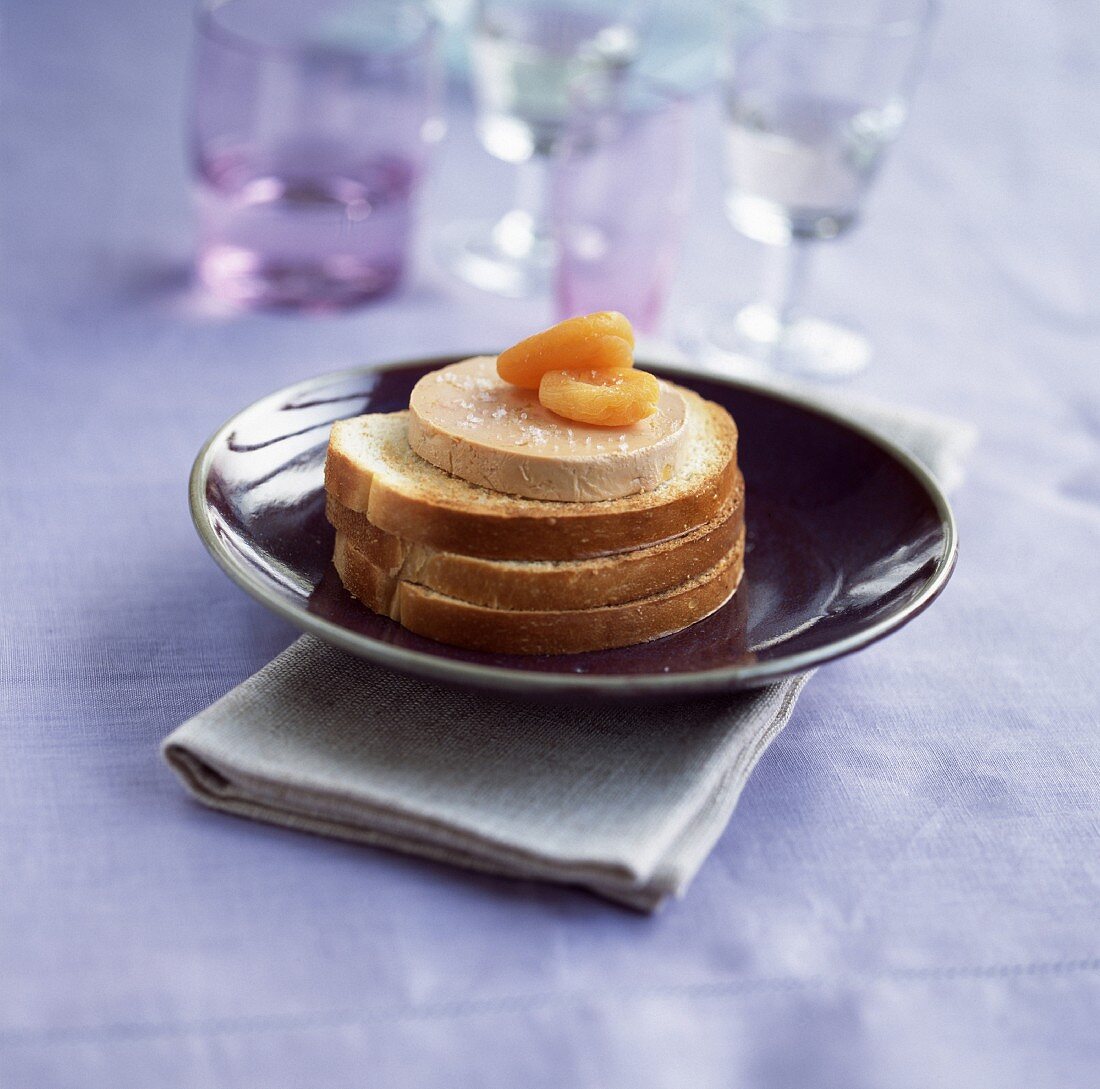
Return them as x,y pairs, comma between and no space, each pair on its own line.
908,893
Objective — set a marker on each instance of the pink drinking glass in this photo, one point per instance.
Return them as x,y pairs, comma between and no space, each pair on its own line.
310,129
620,194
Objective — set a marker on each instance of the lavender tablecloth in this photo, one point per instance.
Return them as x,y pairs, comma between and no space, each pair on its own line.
909,894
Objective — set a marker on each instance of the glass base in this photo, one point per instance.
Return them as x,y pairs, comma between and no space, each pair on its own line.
751,341
250,280
509,257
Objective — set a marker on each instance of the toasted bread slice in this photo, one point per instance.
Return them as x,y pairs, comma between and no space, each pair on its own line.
545,584
372,469
537,631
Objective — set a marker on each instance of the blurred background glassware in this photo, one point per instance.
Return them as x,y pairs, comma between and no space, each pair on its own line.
620,194
310,129
525,56
815,91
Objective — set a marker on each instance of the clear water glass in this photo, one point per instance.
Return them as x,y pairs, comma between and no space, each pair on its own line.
526,56
310,130
621,191
815,93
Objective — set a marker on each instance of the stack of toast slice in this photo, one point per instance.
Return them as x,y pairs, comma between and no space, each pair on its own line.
477,568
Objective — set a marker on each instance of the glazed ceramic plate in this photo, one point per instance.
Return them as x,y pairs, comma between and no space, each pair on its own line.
847,539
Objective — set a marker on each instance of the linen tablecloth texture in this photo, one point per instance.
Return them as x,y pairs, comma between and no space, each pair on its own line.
624,801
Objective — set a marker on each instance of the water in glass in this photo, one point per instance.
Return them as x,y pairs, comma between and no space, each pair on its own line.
524,62
304,222
798,165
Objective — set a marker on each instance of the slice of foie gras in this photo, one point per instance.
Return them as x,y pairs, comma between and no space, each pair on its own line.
472,424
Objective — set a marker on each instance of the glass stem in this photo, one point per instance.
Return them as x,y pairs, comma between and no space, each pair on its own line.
524,233
786,282
532,195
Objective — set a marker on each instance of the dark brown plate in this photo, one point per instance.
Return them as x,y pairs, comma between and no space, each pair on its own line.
848,538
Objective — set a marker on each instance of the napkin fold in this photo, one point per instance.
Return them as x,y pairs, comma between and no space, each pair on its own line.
626,802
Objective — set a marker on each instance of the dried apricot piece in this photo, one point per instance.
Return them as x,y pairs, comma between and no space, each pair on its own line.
613,396
603,339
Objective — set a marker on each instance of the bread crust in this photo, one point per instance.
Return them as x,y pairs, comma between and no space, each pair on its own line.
536,631
563,585
527,529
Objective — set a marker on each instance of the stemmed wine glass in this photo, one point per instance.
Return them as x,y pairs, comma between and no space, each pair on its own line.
525,57
815,93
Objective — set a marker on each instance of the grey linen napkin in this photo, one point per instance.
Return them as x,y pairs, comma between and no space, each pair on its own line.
626,802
